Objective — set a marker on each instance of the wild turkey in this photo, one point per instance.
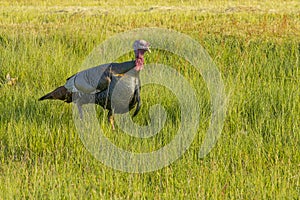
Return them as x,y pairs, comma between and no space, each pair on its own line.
97,84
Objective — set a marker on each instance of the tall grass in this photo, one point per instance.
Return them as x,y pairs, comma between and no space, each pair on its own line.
257,156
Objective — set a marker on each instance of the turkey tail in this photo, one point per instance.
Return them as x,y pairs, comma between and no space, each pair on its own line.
47,96
60,93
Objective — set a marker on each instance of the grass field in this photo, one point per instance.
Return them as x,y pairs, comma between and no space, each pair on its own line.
256,46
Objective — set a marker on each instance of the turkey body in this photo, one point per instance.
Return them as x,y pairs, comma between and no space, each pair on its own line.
121,95
114,86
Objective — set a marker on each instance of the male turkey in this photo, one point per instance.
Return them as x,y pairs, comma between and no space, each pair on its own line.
97,84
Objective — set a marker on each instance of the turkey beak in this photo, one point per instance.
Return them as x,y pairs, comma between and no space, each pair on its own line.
148,49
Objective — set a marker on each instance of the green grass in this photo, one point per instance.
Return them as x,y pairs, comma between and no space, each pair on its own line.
256,47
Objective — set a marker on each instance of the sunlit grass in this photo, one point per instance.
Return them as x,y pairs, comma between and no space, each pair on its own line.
256,48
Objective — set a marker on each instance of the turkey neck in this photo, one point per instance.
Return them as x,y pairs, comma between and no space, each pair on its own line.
137,64
139,59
